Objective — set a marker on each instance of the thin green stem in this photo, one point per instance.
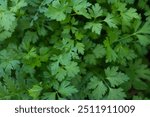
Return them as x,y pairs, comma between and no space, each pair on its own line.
125,37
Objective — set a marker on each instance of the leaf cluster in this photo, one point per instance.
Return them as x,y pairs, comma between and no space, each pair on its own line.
74,49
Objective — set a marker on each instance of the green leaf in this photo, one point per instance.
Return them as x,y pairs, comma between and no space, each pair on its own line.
18,5
35,91
31,53
65,58
3,92
79,35
110,21
7,19
142,72
111,55
53,67
3,3
79,4
90,59
116,94
44,54
72,69
80,7
139,84
61,74
12,64
94,26
80,47
145,29
66,89
128,15
4,35
98,88
124,53
143,40
10,84
96,11
99,51
49,96
57,10
31,36
114,77
8,63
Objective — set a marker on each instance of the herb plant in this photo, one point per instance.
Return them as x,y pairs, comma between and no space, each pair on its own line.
74,49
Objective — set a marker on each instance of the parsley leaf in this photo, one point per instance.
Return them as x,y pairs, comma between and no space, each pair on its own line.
66,90
57,10
99,51
94,26
97,86
35,91
7,19
115,78
72,69
116,94
110,21
96,11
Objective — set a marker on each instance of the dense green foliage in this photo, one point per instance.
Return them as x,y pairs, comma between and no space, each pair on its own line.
74,49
